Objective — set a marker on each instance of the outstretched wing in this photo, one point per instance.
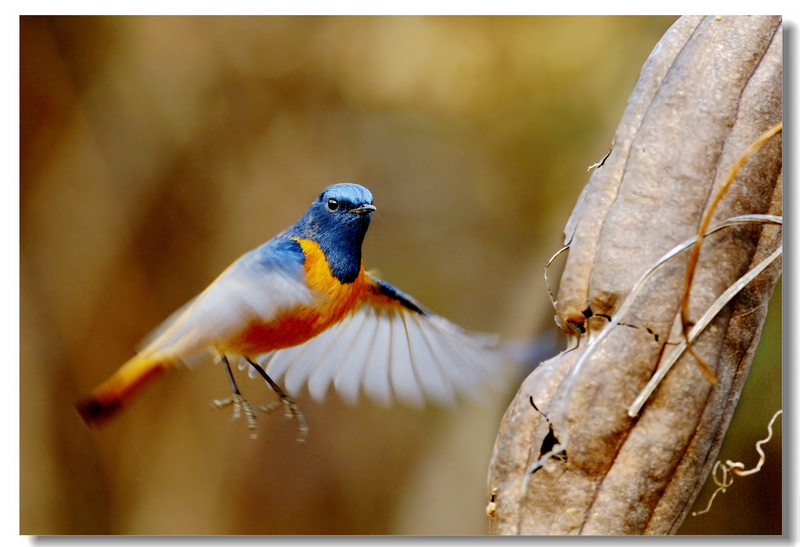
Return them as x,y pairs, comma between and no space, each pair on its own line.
389,347
258,286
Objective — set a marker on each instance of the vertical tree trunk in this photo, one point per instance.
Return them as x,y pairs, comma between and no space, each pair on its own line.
710,88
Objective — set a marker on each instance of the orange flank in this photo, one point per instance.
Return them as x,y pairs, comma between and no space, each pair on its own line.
109,397
299,324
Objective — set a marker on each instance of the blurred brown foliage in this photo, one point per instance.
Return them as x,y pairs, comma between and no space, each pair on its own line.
156,150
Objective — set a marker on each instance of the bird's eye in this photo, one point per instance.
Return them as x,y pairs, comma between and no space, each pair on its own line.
333,204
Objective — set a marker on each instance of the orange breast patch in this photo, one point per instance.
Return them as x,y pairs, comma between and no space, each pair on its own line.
333,301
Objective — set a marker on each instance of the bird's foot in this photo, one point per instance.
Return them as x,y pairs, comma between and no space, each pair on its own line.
240,404
291,410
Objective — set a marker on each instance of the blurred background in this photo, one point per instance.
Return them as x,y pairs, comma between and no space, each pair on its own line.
156,150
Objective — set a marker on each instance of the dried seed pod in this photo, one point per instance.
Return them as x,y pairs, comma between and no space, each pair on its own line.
710,88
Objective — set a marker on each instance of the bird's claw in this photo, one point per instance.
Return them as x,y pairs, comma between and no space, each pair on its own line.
240,403
291,410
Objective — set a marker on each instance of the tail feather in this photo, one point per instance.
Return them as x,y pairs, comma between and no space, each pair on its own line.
110,396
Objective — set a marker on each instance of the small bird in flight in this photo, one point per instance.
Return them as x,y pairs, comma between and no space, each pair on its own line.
301,306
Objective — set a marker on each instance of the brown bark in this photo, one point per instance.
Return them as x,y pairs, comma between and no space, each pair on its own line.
711,87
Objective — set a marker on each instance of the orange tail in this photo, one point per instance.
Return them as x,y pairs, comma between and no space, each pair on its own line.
110,396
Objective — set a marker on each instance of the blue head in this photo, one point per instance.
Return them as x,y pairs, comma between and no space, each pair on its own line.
338,221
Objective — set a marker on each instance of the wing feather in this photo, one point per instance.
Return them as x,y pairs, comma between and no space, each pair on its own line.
390,347
376,374
257,286
429,371
279,362
348,376
303,367
347,332
401,365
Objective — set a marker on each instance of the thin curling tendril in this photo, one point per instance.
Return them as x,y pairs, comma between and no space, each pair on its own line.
725,481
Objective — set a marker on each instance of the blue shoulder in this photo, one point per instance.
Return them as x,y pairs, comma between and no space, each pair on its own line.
278,254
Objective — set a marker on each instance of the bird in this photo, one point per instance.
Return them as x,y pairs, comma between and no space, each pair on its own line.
301,307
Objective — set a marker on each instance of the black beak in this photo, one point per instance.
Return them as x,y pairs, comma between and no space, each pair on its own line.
363,209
